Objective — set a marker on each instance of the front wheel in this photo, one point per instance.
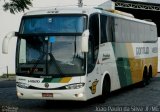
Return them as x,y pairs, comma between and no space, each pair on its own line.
105,90
49,102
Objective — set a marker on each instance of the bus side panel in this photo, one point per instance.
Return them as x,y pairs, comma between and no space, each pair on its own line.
136,65
131,58
123,64
109,65
148,54
135,47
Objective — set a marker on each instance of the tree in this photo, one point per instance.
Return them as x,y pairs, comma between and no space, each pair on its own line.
15,6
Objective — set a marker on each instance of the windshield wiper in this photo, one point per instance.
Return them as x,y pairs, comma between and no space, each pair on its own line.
75,47
52,58
56,64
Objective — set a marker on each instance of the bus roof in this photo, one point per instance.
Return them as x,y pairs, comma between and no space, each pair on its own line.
85,10
60,10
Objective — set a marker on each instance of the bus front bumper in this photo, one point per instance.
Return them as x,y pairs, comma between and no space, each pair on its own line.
71,94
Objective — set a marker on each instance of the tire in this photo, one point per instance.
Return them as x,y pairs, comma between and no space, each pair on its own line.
105,90
150,74
49,102
145,79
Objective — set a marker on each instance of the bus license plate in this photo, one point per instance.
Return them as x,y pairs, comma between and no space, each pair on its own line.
47,94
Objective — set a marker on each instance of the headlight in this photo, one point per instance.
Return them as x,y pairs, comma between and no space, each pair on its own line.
75,86
22,85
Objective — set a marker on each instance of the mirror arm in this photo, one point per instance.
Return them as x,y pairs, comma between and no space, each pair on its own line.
16,34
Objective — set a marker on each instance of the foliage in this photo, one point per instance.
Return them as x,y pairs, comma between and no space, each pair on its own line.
7,76
15,6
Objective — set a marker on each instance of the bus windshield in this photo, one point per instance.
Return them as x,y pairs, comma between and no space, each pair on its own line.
57,54
53,24
47,53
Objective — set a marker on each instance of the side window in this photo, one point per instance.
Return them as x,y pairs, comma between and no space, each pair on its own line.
118,30
93,41
107,29
111,29
104,28
94,28
134,31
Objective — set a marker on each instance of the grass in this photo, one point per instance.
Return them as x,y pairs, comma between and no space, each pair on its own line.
8,76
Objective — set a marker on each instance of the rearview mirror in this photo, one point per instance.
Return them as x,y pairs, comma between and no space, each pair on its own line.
6,41
85,38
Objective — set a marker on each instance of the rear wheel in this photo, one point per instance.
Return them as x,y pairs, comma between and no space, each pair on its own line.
150,73
145,78
49,102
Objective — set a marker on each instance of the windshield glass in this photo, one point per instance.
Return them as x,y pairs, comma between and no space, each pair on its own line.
51,54
65,50
53,24
31,49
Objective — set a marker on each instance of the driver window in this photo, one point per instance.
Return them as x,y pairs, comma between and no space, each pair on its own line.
93,41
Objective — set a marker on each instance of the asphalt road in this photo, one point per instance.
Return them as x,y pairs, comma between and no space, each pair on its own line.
130,99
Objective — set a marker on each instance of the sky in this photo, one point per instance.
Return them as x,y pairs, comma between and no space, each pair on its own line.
10,22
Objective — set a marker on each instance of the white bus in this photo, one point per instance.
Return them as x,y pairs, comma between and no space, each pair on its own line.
81,53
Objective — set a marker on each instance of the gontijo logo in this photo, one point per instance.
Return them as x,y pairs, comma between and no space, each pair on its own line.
142,50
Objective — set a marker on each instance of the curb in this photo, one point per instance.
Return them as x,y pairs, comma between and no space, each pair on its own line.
7,79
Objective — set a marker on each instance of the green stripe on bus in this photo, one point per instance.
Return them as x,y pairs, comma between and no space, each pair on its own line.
122,62
47,80
56,80
51,80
